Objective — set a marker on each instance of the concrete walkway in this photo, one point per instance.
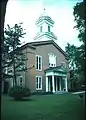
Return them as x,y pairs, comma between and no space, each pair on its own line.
78,92
60,92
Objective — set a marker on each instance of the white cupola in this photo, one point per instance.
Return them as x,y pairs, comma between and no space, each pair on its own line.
44,25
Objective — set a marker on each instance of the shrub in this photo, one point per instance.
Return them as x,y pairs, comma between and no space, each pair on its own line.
75,90
19,92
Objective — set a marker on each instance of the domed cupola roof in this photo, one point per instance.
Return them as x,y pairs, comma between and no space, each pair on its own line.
44,17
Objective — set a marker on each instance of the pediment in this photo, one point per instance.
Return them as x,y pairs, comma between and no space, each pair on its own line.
56,69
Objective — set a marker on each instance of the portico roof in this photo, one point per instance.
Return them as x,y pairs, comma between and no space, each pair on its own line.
57,69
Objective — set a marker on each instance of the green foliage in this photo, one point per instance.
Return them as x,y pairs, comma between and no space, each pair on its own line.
71,51
79,14
13,57
76,65
19,92
76,55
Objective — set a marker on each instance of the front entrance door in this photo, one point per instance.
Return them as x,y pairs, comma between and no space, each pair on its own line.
50,89
58,84
50,83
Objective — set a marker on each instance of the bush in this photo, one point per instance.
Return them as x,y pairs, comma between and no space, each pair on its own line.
19,92
72,90
76,89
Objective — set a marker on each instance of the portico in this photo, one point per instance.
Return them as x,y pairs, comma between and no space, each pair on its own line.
56,79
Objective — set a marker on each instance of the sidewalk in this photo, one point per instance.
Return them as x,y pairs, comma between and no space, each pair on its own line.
78,92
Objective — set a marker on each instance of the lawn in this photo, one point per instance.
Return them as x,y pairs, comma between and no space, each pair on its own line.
44,107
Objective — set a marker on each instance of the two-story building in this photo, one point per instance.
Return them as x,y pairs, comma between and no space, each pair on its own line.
47,63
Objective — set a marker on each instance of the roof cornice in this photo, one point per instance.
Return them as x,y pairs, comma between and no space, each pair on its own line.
37,43
27,45
49,34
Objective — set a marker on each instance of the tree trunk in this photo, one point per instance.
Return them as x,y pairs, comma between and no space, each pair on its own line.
14,69
14,77
3,4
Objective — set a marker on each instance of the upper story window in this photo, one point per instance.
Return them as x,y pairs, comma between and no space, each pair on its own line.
52,60
48,28
38,83
20,80
38,62
41,29
63,64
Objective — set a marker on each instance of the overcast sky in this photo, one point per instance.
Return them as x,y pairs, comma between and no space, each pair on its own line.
28,11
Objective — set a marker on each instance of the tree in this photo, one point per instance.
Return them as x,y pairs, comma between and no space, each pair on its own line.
75,54
79,14
71,51
3,5
13,57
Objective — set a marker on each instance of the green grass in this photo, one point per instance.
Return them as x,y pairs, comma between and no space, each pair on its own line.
46,107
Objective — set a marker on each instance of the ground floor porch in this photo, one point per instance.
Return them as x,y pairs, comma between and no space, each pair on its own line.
56,83
56,80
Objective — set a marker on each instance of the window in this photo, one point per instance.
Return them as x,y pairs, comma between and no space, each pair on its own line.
41,29
48,28
38,62
52,65
38,83
52,60
63,64
20,80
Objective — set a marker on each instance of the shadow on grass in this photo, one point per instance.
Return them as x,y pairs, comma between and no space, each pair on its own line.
24,99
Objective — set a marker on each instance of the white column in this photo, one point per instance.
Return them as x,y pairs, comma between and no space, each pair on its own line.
60,83
66,84
56,84
53,84
46,83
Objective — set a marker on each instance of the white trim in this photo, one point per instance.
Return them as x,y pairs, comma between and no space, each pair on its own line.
47,84
37,38
49,73
53,84
66,83
53,63
52,73
38,82
44,21
18,80
38,62
60,80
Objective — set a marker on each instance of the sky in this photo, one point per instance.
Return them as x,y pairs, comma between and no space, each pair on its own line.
28,11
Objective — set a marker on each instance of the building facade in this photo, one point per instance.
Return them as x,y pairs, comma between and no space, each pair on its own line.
47,64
